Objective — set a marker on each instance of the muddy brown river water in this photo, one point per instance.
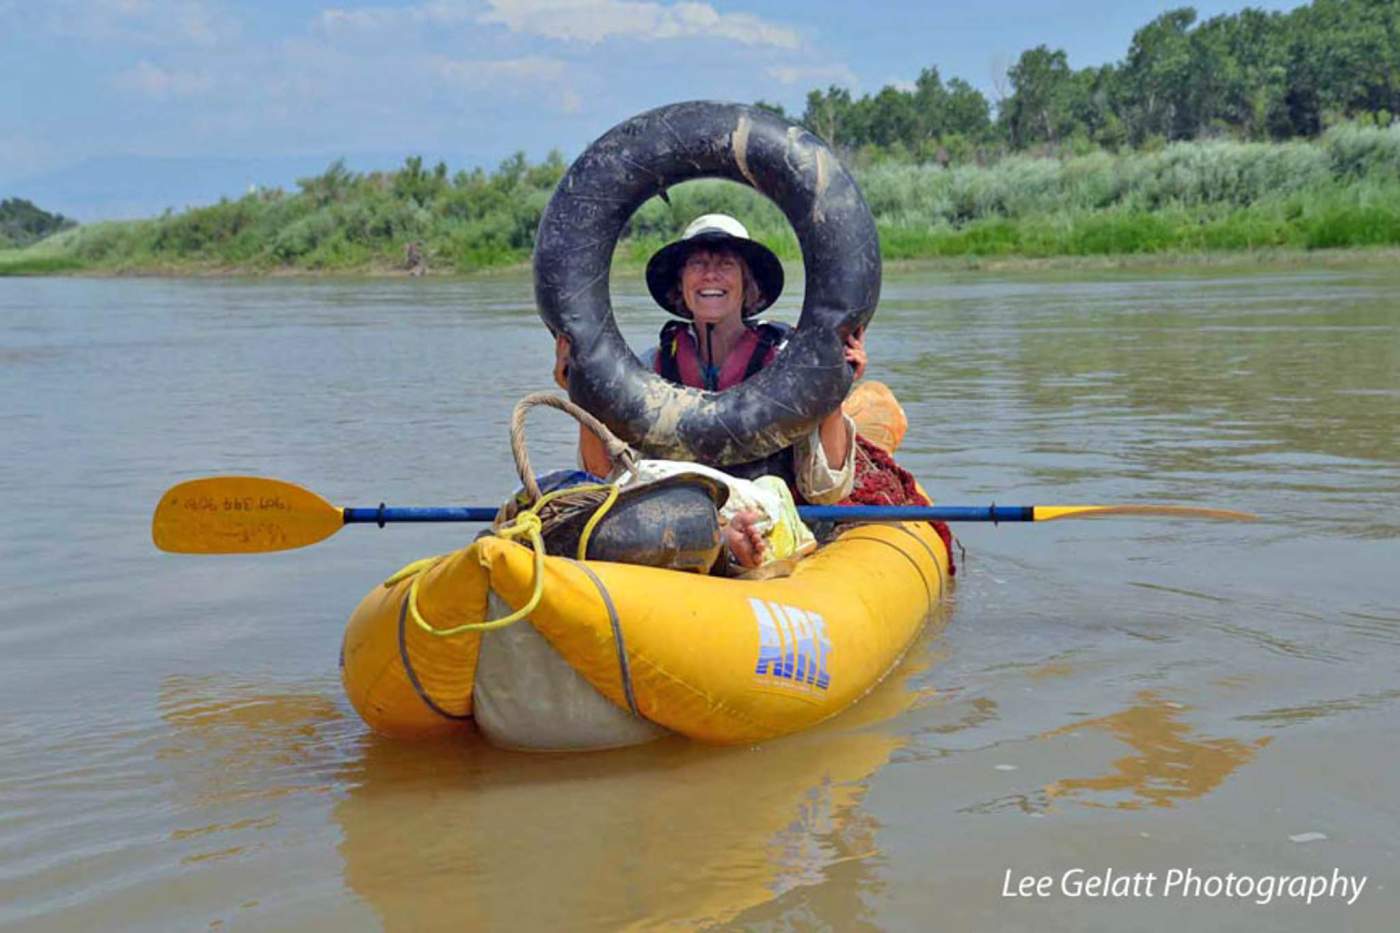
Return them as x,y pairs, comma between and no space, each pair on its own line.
1098,700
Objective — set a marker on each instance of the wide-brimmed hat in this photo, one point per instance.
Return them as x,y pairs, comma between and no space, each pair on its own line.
711,231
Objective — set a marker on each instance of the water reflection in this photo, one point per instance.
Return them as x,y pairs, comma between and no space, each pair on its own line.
1163,388
1328,389
233,750
1170,763
464,835
1323,709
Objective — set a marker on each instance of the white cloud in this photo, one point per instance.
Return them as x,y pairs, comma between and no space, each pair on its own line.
813,75
595,20
448,11
369,19
373,19
354,76
477,73
537,77
572,20
159,83
150,22
201,24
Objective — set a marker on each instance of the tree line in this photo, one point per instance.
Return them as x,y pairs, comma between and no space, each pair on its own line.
1251,75
22,223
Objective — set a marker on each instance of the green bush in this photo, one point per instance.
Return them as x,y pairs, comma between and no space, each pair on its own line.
1362,215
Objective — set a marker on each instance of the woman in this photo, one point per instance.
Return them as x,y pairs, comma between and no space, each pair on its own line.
717,278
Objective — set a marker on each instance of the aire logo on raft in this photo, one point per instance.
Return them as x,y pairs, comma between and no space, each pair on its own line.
793,649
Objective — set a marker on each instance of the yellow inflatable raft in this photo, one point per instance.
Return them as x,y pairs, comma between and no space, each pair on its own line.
607,654
719,660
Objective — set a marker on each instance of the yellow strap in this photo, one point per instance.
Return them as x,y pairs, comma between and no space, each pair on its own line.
595,518
417,566
526,524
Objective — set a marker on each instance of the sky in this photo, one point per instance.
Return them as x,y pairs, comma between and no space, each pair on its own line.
125,107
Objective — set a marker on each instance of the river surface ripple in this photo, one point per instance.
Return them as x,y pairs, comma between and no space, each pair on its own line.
1127,694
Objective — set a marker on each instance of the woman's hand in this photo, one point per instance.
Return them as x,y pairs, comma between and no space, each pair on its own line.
745,541
855,351
561,362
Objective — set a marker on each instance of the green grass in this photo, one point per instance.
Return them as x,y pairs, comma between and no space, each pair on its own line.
1332,215
37,265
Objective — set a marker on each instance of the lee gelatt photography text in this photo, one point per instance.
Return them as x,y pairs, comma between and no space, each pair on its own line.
1261,889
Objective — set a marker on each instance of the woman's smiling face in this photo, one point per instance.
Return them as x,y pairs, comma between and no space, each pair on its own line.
712,284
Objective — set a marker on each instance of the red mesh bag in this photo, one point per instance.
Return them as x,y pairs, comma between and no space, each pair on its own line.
881,481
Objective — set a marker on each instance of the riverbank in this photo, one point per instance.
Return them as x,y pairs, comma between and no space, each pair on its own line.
1251,202
1183,261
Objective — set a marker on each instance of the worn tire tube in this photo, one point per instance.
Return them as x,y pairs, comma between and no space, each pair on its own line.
644,156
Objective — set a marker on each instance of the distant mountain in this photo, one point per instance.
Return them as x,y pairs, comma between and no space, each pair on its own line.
126,187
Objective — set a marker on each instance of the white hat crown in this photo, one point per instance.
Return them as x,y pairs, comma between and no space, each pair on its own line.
716,223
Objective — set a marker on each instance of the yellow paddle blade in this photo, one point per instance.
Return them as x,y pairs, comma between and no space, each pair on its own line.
241,515
1048,513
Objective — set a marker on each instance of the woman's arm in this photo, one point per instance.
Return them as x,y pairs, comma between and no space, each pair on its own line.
836,439
592,454
825,459
820,481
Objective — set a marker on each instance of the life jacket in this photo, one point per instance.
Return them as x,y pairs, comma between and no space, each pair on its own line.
678,356
678,361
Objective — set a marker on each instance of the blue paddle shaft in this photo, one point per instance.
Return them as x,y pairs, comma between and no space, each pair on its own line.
383,516
811,513
917,513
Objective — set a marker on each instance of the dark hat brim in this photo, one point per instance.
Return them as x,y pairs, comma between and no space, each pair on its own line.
664,268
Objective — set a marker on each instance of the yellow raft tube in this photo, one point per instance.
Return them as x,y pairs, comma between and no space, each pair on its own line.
718,659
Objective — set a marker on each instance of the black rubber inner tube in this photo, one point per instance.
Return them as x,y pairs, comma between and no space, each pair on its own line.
644,156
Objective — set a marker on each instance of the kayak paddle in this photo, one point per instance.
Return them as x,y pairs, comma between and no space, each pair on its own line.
254,514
